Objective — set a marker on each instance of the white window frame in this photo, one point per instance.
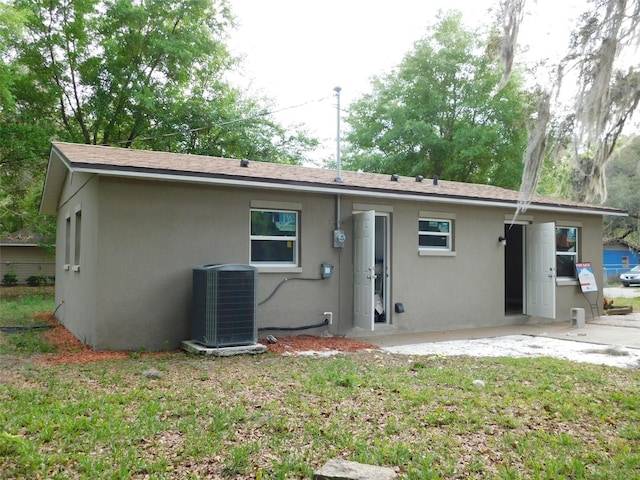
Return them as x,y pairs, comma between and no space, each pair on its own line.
295,239
425,233
575,252
429,216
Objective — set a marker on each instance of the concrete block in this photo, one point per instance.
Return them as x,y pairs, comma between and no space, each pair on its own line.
194,347
337,469
577,317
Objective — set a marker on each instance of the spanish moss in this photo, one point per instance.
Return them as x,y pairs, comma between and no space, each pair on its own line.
605,96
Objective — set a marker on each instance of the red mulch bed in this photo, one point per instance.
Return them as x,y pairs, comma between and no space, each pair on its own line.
72,350
306,343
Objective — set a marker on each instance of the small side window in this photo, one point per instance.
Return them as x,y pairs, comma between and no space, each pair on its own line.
77,241
67,242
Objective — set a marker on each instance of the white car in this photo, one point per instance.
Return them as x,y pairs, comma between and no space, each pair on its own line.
632,276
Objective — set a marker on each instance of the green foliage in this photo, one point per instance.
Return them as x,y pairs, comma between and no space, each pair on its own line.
36,280
555,180
24,141
18,307
110,73
439,114
28,342
19,304
623,178
126,73
9,279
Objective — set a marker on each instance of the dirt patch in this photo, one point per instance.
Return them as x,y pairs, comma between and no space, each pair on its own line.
20,292
72,350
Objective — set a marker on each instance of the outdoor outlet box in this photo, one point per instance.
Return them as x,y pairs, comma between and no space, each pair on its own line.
326,270
339,238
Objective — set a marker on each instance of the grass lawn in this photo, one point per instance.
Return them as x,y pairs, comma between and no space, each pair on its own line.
277,417
634,302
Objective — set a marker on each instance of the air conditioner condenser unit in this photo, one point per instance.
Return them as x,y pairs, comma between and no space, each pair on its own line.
224,305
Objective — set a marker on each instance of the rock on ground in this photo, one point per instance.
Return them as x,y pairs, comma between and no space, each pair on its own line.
337,469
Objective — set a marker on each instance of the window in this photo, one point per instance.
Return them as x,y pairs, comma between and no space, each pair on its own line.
274,237
625,261
67,242
78,235
434,234
566,251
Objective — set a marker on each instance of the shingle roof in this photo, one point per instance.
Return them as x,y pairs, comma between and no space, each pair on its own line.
124,161
620,241
21,238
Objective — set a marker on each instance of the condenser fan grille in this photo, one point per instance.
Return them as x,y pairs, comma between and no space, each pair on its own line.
224,305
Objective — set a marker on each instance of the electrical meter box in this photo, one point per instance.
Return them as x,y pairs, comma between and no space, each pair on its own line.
339,238
326,270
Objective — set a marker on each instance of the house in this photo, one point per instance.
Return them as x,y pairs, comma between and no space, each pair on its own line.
379,254
22,257
618,257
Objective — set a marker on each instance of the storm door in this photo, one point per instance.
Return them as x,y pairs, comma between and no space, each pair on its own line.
363,269
541,270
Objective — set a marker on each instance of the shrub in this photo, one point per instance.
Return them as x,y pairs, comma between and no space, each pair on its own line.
36,280
9,279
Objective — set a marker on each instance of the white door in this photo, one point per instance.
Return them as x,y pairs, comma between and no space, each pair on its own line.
541,270
363,268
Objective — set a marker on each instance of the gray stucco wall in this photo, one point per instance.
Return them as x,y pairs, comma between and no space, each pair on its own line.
448,292
141,240
153,234
77,281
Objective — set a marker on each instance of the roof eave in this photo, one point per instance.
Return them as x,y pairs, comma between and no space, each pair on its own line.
338,188
54,180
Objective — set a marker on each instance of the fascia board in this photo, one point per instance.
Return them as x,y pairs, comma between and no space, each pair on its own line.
56,171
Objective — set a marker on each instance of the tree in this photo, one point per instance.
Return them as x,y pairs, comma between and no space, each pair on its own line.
623,178
144,70
439,114
111,66
10,27
605,93
129,73
239,128
23,134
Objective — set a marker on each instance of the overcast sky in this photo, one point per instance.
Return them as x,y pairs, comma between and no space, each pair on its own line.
297,51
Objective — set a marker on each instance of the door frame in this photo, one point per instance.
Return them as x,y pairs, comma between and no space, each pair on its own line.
386,264
512,252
